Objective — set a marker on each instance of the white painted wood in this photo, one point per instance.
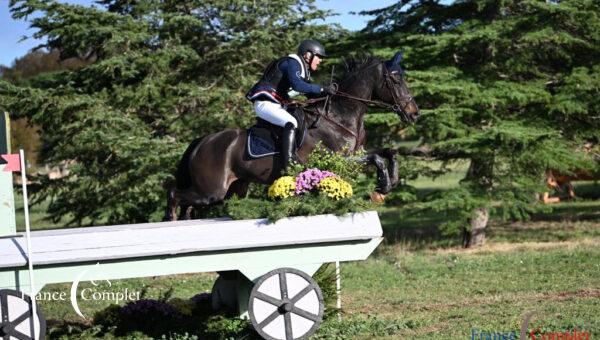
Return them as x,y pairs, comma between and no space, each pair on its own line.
171,238
252,262
30,257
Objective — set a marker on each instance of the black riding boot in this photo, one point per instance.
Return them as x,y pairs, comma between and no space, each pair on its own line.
287,145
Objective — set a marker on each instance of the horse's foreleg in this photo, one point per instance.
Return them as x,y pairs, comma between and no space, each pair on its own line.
383,179
390,155
571,190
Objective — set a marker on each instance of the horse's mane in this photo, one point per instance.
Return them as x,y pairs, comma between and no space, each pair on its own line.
355,63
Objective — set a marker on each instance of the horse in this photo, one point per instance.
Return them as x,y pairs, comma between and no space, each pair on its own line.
217,166
557,181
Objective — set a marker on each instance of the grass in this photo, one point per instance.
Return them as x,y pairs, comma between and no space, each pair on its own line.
445,294
419,284
433,293
38,219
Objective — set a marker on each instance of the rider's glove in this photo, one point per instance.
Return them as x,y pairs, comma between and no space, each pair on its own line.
330,89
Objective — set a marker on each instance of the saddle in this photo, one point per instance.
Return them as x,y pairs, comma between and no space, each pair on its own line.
264,138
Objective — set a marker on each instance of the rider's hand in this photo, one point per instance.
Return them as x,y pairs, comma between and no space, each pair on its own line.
330,89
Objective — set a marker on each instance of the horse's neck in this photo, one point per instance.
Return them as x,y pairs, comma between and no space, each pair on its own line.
350,111
344,116
342,124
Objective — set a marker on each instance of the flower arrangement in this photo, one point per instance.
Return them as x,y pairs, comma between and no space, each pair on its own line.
310,180
327,183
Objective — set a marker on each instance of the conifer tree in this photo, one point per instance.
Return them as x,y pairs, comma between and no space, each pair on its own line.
510,86
161,74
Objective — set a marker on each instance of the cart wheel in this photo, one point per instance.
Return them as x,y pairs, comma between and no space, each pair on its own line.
15,317
286,304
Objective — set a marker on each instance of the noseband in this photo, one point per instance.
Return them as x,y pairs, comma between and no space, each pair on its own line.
400,103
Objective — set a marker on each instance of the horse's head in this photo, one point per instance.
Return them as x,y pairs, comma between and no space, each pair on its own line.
393,90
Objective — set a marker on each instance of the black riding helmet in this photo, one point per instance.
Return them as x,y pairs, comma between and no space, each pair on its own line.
312,46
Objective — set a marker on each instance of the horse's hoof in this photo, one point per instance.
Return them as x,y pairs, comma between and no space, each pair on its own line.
377,197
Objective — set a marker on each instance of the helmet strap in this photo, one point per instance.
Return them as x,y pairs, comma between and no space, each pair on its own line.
310,60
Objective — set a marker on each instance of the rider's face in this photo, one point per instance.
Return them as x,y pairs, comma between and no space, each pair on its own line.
315,63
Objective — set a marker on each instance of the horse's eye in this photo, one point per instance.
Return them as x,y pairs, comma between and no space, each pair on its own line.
397,77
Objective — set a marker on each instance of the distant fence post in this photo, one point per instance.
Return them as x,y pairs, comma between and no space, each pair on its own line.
7,199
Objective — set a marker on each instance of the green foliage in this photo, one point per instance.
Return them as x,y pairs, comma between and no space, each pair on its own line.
365,327
177,318
304,205
340,163
326,279
154,76
221,327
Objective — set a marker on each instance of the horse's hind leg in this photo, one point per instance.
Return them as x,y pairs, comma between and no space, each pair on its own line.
186,212
172,203
191,202
238,188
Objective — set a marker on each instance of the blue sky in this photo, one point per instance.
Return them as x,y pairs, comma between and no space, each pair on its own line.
12,31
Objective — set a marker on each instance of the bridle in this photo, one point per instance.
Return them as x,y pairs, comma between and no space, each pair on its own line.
399,107
400,102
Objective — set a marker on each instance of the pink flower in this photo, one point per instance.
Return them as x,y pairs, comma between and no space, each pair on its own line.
309,179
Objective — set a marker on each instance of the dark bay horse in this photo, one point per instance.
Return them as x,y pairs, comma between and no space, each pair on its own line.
217,166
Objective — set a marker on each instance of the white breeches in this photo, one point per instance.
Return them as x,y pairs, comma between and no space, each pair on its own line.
273,113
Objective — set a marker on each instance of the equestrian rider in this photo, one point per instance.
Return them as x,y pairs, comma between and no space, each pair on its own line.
282,79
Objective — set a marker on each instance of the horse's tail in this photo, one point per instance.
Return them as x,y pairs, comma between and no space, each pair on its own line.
182,176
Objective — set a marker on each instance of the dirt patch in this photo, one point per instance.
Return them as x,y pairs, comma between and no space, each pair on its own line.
502,247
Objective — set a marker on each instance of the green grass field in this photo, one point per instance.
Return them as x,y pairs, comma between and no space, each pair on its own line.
421,285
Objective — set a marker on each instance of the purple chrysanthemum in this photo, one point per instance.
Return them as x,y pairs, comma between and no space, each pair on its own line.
309,179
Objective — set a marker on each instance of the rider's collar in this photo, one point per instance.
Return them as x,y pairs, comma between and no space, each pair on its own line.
305,72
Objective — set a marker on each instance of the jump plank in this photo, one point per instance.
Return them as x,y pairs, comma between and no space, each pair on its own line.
171,238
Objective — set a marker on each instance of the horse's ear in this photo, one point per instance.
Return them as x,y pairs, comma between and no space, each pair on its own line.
397,58
395,61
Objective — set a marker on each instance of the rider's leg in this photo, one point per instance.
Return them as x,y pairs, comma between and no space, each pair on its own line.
275,114
287,145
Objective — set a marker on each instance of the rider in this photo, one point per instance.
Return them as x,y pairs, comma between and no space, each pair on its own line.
271,93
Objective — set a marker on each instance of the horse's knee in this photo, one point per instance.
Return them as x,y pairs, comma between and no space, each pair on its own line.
378,161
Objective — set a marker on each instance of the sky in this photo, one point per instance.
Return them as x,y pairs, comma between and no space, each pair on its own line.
11,31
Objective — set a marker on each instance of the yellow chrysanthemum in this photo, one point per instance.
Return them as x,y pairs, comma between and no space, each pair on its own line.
283,187
335,187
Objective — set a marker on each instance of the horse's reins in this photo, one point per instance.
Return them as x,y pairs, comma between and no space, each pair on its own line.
324,114
399,106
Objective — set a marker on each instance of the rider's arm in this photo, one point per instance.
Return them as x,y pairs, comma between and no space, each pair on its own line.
293,70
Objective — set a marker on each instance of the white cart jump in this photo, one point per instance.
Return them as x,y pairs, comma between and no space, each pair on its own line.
266,268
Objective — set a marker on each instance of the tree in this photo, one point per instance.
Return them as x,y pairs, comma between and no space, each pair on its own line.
508,85
162,74
24,134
